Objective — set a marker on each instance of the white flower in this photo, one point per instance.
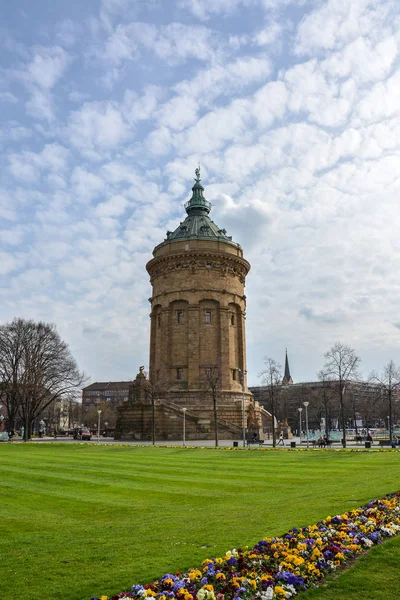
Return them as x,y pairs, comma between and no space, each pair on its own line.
388,531
289,590
267,594
205,595
368,543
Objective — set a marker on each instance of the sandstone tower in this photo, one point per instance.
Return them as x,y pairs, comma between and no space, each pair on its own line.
198,312
198,306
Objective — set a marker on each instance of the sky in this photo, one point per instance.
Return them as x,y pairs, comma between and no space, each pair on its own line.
292,108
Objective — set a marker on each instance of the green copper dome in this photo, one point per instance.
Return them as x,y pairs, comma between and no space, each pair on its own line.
197,223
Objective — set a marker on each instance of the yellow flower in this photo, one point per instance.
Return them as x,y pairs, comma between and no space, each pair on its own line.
149,593
340,556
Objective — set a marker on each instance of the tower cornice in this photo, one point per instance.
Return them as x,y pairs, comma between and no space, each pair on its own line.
193,260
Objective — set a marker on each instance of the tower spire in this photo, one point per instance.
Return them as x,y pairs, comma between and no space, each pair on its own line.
287,377
197,204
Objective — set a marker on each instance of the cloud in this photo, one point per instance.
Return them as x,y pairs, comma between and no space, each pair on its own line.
172,43
87,185
46,67
28,166
97,127
337,23
8,97
39,75
203,9
114,207
291,108
362,60
323,318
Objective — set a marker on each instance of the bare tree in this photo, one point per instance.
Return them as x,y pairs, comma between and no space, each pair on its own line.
11,367
36,368
211,383
271,379
108,415
389,384
325,396
341,366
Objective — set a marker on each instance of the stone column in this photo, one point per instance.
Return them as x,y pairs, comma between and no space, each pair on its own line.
193,346
224,347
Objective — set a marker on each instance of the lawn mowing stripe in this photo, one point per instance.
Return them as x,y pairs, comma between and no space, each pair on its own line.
134,534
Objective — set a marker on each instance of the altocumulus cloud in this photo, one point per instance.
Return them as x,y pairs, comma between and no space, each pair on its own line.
291,107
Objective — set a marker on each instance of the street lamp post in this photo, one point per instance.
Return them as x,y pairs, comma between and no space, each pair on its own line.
306,405
388,418
184,426
98,426
241,375
300,411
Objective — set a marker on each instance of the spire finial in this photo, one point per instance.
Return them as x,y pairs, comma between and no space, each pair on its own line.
197,171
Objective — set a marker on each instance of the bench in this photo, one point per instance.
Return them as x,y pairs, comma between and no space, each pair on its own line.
252,442
387,443
314,443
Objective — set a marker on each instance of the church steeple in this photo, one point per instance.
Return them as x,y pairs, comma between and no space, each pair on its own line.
287,379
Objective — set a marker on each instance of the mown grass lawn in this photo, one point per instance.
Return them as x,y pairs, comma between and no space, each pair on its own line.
79,520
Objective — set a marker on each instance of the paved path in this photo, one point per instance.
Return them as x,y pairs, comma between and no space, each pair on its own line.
196,443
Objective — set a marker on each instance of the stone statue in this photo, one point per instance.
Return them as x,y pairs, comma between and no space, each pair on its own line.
197,171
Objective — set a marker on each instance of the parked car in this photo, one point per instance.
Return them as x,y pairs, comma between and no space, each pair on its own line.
82,434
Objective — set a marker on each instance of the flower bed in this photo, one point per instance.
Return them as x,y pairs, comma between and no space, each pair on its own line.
280,567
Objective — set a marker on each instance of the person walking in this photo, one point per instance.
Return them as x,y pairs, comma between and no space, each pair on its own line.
281,440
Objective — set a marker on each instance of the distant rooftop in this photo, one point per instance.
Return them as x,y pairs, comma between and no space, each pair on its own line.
108,385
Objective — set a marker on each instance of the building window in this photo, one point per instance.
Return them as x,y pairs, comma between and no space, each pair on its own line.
159,320
234,374
208,316
208,371
180,316
232,319
179,373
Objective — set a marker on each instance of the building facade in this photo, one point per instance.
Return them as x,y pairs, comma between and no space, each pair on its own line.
112,392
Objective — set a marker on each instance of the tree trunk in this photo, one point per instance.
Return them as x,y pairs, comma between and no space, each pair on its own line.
273,420
153,421
215,420
342,418
327,427
26,429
